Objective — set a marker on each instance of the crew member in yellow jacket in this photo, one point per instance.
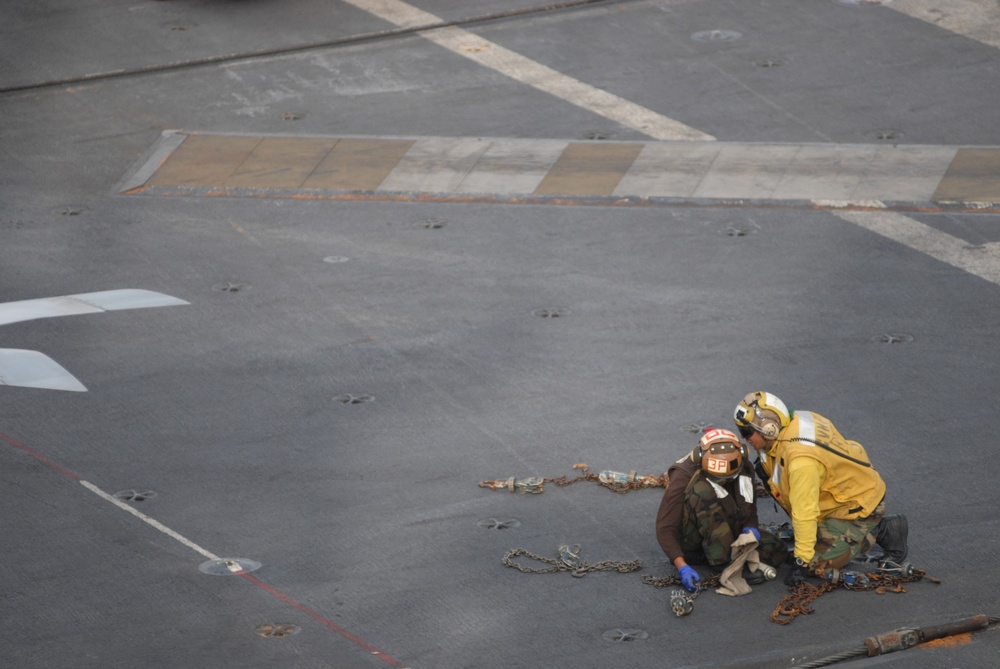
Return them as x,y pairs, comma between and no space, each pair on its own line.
826,484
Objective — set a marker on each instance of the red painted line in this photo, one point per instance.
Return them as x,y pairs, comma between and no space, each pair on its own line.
388,659
41,458
385,657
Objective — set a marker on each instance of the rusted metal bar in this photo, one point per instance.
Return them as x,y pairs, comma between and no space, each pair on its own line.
902,639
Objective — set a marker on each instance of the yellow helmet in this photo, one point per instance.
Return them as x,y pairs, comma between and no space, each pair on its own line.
720,454
762,412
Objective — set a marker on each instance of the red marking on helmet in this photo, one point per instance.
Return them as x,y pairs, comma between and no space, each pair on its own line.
719,465
714,433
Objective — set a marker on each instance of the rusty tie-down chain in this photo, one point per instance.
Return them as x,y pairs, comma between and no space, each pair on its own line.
568,560
802,595
797,602
619,482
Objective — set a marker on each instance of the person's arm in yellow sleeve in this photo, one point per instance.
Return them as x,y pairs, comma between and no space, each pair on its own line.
804,478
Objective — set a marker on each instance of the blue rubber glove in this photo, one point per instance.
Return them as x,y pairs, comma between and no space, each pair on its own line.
754,531
689,578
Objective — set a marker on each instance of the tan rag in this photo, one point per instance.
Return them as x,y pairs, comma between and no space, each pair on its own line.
744,551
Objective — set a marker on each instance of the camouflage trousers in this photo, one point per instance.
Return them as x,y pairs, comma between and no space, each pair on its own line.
708,531
838,541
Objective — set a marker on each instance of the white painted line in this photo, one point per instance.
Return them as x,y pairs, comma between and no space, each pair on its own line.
146,167
475,48
975,19
904,173
669,170
435,165
84,303
981,260
748,171
149,521
32,369
512,168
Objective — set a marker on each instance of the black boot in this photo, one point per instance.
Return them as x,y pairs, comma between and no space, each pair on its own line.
891,536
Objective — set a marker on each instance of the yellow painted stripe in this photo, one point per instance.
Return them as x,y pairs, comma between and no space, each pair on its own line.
358,164
204,161
972,176
589,169
280,162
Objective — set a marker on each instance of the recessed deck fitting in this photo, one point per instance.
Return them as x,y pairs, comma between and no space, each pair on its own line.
620,635
893,338
551,312
70,210
888,134
716,36
495,524
697,427
179,26
133,495
230,287
348,398
228,566
276,631
739,230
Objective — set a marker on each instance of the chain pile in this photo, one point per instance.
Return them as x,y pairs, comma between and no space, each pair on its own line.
798,601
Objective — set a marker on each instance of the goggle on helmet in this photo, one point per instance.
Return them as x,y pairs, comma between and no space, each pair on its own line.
761,412
720,454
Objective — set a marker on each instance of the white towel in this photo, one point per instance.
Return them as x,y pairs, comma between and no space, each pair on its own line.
744,552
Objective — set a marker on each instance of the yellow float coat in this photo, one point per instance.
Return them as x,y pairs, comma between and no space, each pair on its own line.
813,484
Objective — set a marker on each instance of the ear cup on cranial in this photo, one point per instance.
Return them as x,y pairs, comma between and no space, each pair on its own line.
769,428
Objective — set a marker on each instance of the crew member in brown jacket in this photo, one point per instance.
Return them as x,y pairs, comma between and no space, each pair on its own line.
710,500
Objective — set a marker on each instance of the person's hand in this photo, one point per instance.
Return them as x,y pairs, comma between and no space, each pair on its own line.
754,531
798,573
689,578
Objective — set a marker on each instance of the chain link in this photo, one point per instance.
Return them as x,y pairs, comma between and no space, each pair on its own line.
568,560
667,581
797,602
536,484
618,487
